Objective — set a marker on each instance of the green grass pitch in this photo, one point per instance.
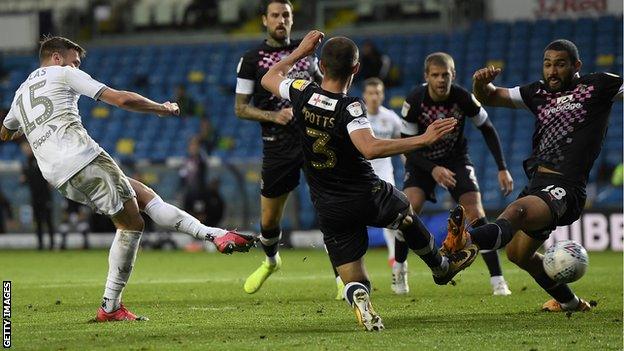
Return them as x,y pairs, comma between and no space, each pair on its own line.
196,301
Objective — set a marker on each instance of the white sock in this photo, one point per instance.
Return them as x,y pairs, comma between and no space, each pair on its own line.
400,265
497,279
570,305
173,218
339,281
389,236
272,260
121,258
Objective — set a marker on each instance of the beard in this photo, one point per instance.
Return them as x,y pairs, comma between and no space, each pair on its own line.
563,84
279,34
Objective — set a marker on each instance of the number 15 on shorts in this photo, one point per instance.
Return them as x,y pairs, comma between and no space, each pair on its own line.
558,193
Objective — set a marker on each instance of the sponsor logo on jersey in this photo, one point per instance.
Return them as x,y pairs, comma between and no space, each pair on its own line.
564,99
37,143
323,102
300,84
355,109
564,103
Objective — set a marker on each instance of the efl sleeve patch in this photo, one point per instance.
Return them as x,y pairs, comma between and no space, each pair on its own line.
355,109
300,84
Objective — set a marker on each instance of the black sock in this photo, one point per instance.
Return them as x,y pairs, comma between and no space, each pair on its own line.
400,251
270,240
421,242
560,292
492,236
492,262
351,287
490,257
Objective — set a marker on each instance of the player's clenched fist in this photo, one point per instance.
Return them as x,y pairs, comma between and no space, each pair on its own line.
171,108
283,116
486,75
439,128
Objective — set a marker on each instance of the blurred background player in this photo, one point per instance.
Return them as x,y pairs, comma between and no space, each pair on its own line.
82,171
6,214
572,114
282,155
348,196
40,196
447,162
386,124
75,219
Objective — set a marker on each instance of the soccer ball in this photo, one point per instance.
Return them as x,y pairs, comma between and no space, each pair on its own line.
566,261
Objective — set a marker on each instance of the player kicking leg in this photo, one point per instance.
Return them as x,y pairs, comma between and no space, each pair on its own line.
560,163
521,227
82,171
175,219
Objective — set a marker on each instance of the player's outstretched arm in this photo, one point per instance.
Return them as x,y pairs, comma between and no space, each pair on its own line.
131,101
486,92
371,147
277,73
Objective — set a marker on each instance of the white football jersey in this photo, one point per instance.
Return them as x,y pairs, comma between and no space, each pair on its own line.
45,108
386,124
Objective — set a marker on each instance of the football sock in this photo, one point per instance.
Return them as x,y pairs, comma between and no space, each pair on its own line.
492,236
489,256
389,236
492,262
352,287
421,242
400,248
121,259
174,219
496,279
399,265
560,292
269,241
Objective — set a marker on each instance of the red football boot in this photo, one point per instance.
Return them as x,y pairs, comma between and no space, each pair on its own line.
122,314
233,241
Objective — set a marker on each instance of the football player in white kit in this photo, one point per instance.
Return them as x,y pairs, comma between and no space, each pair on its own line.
386,124
45,111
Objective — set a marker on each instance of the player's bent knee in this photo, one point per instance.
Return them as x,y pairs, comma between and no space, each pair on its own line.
515,212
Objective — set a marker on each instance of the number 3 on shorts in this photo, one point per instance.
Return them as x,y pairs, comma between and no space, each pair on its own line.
558,193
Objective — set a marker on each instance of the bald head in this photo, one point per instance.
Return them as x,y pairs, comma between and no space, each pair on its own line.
338,58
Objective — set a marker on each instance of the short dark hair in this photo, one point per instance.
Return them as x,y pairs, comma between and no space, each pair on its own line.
265,6
564,45
373,82
50,45
439,59
338,56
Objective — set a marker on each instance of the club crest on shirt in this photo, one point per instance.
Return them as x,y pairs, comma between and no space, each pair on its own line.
355,109
564,99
